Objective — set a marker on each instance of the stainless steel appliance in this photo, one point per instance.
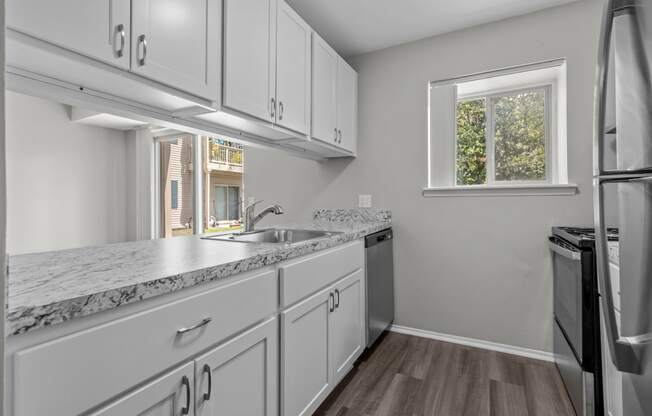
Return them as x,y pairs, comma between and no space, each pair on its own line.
576,316
623,194
380,283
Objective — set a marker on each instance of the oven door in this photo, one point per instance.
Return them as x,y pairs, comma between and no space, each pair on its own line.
578,382
567,283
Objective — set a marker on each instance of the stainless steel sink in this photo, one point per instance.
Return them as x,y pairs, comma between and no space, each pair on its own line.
273,235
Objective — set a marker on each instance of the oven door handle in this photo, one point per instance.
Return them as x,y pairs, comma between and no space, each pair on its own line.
563,251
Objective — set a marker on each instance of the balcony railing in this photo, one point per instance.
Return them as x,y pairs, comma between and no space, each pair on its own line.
227,155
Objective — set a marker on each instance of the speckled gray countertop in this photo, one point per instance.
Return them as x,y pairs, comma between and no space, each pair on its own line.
52,287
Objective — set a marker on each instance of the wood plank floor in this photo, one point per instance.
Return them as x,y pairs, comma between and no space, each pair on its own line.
405,375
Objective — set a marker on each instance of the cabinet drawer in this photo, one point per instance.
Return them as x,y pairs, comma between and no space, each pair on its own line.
91,366
304,276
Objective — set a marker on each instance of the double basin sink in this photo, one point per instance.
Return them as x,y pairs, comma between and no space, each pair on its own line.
273,236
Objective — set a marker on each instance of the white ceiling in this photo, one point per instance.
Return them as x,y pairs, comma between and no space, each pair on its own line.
353,27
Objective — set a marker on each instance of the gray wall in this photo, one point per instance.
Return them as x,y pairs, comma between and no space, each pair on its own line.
65,181
474,266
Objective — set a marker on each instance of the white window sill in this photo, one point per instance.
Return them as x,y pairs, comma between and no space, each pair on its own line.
502,190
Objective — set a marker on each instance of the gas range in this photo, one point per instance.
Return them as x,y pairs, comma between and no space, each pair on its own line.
582,236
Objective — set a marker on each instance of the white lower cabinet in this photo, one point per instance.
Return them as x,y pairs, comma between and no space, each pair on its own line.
240,378
212,352
346,324
169,395
320,339
304,354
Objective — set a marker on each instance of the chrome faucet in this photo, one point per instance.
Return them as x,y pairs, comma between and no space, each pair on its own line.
251,219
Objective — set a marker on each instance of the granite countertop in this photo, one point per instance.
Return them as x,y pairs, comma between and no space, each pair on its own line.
52,287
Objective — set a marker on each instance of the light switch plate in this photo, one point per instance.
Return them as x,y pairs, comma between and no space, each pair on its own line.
364,201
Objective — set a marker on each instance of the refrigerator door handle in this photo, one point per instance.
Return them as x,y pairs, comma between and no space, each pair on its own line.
599,109
621,348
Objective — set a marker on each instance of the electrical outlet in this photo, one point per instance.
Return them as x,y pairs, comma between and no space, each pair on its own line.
251,200
364,201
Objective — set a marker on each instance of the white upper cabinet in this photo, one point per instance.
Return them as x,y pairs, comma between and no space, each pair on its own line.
292,70
334,98
252,69
177,42
347,106
99,29
324,91
250,57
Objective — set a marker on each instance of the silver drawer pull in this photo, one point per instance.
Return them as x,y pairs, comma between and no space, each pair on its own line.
199,324
120,30
142,41
185,382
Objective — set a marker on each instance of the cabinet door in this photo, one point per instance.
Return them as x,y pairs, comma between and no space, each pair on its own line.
177,43
95,28
292,70
346,324
304,355
169,395
347,106
240,378
324,91
249,57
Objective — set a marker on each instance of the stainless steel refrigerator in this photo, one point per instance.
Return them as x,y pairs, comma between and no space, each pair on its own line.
623,199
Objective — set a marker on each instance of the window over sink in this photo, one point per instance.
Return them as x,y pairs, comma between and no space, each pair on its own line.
499,133
214,194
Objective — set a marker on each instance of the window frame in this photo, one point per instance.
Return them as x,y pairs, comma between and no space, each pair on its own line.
442,94
197,180
490,97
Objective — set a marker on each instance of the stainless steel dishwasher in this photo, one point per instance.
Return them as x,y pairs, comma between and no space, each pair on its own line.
380,283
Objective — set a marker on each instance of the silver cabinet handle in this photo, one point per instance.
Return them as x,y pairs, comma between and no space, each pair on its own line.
273,109
280,110
120,30
331,302
198,325
142,41
563,251
207,370
621,348
335,129
337,303
186,383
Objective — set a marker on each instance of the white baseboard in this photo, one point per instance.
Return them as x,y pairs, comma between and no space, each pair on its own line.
477,343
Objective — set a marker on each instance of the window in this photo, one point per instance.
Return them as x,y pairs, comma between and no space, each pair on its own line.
205,200
500,132
223,197
502,138
174,194
176,185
